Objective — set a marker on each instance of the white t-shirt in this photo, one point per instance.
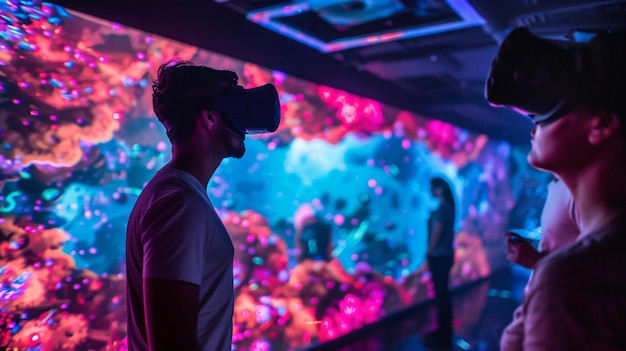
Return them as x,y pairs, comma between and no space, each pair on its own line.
560,222
174,233
560,227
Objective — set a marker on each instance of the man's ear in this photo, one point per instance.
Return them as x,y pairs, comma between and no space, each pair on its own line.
604,125
207,119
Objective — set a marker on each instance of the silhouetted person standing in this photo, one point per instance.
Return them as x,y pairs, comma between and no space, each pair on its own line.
179,256
440,256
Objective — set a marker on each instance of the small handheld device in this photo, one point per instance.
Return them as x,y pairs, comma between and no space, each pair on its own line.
532,236
516,237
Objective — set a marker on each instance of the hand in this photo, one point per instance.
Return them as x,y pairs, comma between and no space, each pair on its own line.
519,250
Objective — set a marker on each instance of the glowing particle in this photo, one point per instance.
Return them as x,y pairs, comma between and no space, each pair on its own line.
283,276
50,194
27,46
56,83
339,219
54,20
394,170
161,146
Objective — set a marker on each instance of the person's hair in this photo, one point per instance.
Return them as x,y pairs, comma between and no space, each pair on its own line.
181,90
441,183
605,69
607,54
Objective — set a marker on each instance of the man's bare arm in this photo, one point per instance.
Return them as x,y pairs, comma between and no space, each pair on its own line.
171,312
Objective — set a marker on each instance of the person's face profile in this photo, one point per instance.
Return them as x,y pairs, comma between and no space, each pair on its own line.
556,144
234,141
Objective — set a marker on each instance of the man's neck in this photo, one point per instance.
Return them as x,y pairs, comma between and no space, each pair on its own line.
599,196
200,166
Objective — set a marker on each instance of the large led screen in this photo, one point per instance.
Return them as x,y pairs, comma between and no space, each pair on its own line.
79,140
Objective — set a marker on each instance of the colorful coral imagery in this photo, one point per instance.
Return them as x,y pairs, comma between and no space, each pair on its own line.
79,139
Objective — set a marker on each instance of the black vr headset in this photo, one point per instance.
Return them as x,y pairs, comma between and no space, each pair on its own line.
544,78
247,111
250,111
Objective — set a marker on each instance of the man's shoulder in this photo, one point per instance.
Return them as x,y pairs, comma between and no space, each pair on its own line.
165,177
167,193
592,256
169,185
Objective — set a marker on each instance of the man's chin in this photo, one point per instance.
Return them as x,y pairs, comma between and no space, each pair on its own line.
532,158
239,152
537,163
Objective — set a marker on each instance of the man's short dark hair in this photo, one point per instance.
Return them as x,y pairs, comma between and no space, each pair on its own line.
608,54
181,90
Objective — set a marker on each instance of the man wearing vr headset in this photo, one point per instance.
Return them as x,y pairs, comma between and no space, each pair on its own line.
574,92
179,256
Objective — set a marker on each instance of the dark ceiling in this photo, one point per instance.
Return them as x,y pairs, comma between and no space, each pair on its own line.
427,56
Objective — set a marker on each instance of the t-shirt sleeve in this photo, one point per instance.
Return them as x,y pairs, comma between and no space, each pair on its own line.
173,238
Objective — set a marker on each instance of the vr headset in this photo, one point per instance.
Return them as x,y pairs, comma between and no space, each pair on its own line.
545,78
246,111
250,111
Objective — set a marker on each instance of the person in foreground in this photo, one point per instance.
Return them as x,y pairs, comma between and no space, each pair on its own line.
574,92
179,256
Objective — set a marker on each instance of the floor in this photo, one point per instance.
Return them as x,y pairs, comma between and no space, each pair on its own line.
481,312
